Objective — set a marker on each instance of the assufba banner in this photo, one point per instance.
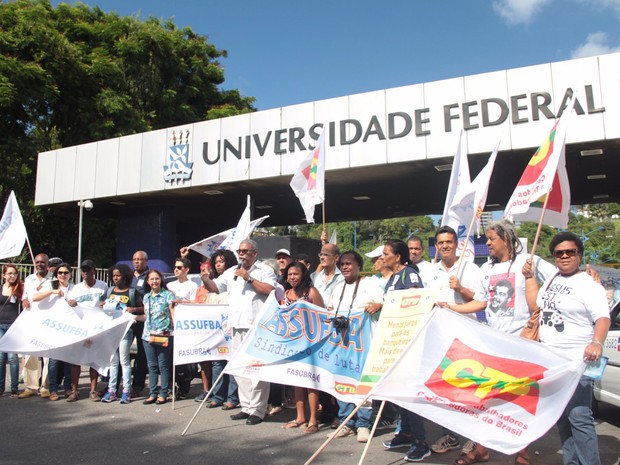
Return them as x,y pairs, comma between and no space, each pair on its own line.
201,333
78,335
299,346
500,390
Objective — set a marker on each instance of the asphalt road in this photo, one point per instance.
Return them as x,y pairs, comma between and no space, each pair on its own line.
38,431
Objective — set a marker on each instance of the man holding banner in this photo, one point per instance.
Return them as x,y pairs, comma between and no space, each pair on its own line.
248,286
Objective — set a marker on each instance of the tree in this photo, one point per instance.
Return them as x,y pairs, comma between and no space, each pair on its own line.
75,74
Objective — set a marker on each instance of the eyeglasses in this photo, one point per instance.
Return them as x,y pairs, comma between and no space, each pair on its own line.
179,267
567,252
63,272
323,254
243,251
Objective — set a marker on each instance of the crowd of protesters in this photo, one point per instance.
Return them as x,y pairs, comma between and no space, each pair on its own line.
504,293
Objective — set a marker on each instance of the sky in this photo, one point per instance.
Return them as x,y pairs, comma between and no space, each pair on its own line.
286,52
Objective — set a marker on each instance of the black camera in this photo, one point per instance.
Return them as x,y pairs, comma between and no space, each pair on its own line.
341,323
55,283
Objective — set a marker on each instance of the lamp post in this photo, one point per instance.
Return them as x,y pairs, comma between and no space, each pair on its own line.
88,206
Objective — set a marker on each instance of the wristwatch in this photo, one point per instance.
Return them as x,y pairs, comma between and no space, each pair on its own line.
250,280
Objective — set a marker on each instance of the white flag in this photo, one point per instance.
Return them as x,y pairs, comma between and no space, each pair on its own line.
459,179
308,182
470,200
497,389
545,174
12,230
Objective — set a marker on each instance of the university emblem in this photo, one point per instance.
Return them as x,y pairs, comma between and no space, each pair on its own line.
178,168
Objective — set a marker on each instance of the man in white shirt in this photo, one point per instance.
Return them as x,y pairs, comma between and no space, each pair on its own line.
248,286
183,288
32,371
416,252
90,292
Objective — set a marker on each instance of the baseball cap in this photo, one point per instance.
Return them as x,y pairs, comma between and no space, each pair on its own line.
283,252
55,261
88,263
375,253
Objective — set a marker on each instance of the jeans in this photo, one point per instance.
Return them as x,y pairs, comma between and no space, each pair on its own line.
13,363
226,389
158,359
412,424
123,354
52,374
140,365
360,420
576,427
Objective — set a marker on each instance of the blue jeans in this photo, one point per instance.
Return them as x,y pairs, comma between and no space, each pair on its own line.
52,375
412,424
226,389
125,358
158,359
13,363
360,420
576,427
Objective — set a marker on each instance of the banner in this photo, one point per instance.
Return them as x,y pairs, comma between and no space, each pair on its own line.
299,346
78,335
500,390
402,315
210,244
308,182
459,180
12,230
201,333
545,174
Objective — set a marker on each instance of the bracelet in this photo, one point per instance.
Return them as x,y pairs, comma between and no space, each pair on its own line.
597,342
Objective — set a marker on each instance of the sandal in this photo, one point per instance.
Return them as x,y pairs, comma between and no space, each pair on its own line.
473,456
149,401
229,406
523,457
161,400
293,424
311,429
213,404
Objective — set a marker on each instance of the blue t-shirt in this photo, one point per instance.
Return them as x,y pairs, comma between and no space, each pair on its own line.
406,278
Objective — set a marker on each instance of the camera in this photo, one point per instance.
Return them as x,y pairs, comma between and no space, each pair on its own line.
55,283
341,323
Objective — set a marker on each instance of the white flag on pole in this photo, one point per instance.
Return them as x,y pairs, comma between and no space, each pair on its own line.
308,182
12,230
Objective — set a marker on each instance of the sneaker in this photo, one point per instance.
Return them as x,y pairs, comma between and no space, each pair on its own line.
26,393
275,410
125,398
14,393
468,447
109,396
445,443
363,434
180,395
94,396
343,433
44,393
418,452
400,440
201,396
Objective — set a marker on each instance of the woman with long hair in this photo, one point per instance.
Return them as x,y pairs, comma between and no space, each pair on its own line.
122,297
10,300
299,288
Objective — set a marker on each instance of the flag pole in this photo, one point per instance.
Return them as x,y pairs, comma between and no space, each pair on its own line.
540,223
471,226
372,433
30,249
203,402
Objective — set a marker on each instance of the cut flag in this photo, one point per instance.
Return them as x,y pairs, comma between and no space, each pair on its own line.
459,179
12,230
231,238
545,174
308,182
471,199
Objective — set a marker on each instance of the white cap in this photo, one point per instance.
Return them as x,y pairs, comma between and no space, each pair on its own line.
375,253
284,252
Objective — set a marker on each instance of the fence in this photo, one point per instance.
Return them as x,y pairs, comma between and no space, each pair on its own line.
26,269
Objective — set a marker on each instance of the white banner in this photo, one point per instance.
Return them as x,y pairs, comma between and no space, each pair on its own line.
78,335
201,332
500,390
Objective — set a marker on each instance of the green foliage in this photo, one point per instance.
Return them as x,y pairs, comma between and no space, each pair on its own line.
75,74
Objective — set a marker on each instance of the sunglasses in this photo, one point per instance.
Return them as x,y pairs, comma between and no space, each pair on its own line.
240,251
63,272
567,252
179,267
